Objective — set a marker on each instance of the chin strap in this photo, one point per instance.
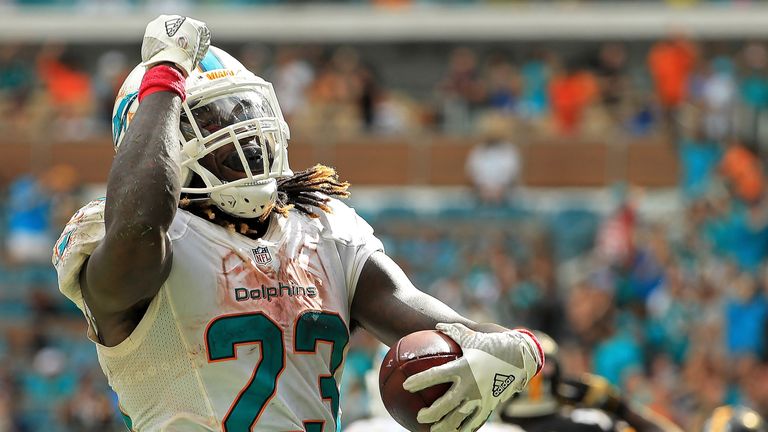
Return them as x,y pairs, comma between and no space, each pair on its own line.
248,202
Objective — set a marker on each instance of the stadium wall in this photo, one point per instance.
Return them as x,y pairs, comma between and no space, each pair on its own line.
426,161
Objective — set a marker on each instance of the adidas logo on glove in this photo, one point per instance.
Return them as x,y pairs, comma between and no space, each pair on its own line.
501,382
172,26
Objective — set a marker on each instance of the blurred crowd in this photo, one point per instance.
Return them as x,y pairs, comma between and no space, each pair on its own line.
672,309
610,91
49,379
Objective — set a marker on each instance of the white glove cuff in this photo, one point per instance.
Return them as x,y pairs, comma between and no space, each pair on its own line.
176,56
533,344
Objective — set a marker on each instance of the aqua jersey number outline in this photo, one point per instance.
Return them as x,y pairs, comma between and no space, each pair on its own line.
226,333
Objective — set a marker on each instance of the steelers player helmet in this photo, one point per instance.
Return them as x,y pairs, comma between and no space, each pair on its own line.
226,105
735,419
538,399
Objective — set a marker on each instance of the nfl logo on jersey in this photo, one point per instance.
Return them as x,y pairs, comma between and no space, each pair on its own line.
261,255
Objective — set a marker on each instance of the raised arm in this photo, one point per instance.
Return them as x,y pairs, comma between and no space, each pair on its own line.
496,362
133,260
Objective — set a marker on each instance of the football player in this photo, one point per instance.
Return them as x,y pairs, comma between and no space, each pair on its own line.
735,419
553,403
220,287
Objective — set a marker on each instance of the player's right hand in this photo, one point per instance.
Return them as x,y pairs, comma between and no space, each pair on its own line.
175,39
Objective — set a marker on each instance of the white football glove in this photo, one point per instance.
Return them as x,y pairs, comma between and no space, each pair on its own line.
493,368
175,39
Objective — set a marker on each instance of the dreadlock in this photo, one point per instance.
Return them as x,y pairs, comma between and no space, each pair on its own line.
313,187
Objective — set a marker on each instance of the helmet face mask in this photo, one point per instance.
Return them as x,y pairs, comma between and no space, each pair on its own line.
236,118
230,117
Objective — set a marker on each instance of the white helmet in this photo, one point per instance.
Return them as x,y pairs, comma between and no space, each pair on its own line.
226,105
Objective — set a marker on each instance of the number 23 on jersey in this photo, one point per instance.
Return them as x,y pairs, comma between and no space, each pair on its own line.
226,333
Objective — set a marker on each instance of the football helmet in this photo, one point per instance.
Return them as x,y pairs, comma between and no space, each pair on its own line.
735,419
226,105
539,397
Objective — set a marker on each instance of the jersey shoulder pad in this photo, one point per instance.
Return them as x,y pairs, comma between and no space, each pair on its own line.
344,225
81,235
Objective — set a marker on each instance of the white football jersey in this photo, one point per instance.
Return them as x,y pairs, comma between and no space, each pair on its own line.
244,334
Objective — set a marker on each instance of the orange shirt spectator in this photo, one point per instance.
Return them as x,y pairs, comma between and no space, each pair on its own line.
569,95
66,86
742,169
671,63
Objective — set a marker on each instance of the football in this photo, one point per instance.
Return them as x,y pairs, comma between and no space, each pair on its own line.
410,355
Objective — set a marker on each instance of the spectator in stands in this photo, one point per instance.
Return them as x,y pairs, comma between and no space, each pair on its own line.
529,296
615,242
611,71
535,74
47,386
70,92
737,232
755,391
705,386
62,182
89,409
742,169
37,206
11,419
571,91
746,318
17,79
29,231
503,85
719,98
592,319
111,70
396,113
335,93
460,92
255,58
671,316
360,358
671,62
754,92
292,77
699,157
493,166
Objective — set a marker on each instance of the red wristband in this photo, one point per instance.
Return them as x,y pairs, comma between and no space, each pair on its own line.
162,78
538,347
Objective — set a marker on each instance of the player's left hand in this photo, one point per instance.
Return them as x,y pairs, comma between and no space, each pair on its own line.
494,366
